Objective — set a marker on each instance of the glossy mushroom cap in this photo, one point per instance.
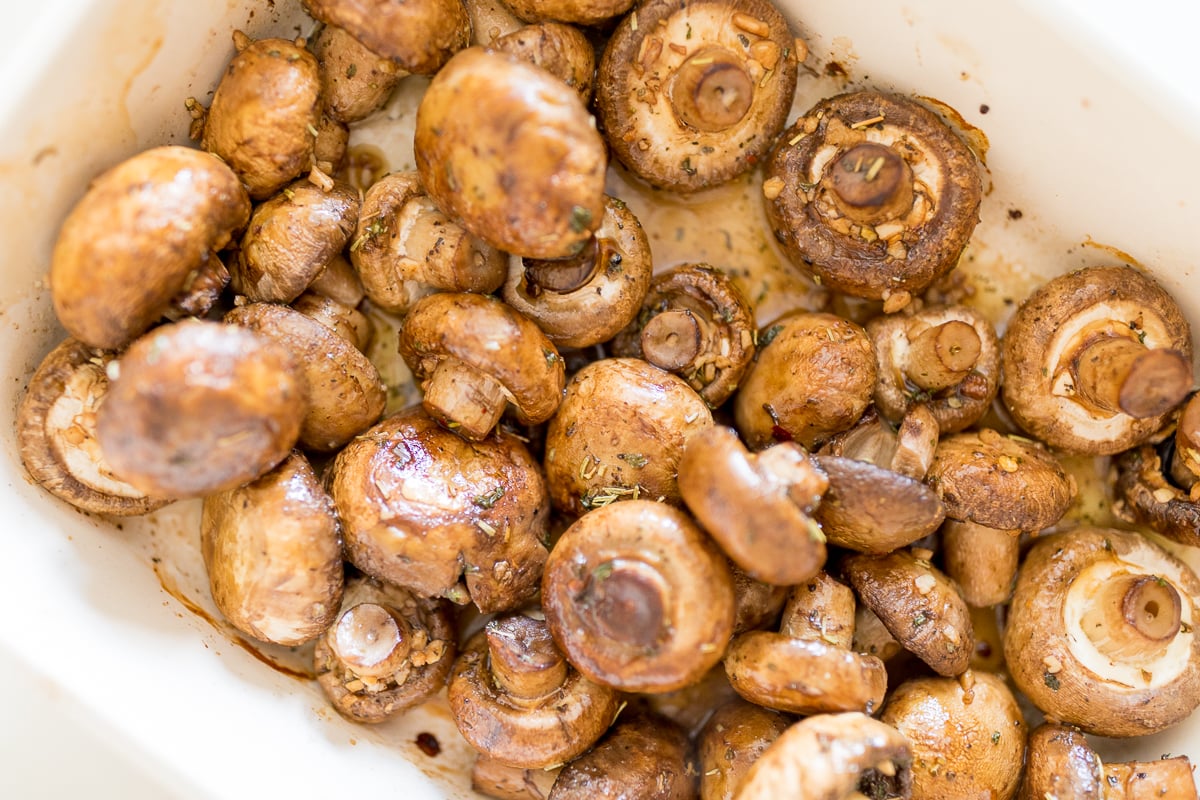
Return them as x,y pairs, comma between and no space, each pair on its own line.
562,50
732,740
355,81
419,35
642,756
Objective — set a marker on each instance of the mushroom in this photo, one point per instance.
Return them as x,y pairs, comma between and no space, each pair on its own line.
264,113
515,698
691,706
405,248
510,151
491,19
56,433
387,652
490,777
419,35
873,195
638,598
355,81
808,667
832,757
812,379
273,552
578,12
201,290
587,299
423,508
330,146
594,456
347,322
918,605
1101,632
966,741
339,281
994,487
345,393
197,407
1160,487
756,506
756,603
291,238
134,241
946,358
734,738
691,96
642,756
1095,360
474,356
694,322
562,50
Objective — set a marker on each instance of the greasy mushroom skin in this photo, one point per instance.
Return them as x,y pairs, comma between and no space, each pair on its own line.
273,552
562,50
512,152
643,756
493,779
419,35
579,12
355,82
732,740
346,321
132,242
1147,496
873,195
692,94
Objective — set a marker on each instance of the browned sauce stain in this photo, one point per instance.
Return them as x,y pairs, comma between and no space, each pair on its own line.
364,165
834,69
1116,252
975,138
428,744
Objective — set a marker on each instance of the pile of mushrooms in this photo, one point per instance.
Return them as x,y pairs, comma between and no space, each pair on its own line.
647,546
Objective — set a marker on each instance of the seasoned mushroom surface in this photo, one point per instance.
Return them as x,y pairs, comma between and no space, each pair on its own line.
1145,494
642,756
562,50
419,35
732,740
580,12
355,82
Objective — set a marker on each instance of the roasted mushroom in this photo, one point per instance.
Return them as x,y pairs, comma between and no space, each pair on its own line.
137,239
1160,487
273,552
490,777
643,756
355,81
756,604
1101,632
873,195
510,150
339,281
387,652
1095,360
732,740
562,50
691,706
346,321
638,597
691,95
579,12
419,35
515,698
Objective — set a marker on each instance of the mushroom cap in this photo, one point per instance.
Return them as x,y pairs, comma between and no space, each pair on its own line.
734,60
999,481
843,256
419,36
1144,493
579,12
1054,321
355,81
975,737
642,755
1057,665
273,551
346,321
128,247
756,603
638,598
511,151
734,737
1059,762
562,50
423,508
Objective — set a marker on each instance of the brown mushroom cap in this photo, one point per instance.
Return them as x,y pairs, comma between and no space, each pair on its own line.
733,739
199,407
756,603
643,756
692,96
1060,763
965,742
355,81
511,151
1047,343
842,165
273,551
493,779
419,36
339,282
133,241
562,50
346,321
638,597
1101,632
1145,495
691,706
579,12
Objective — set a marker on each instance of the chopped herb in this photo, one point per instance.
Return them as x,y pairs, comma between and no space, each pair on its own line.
807,187
552,357
602,571
995,737
687,167
688,35
1051,681
769,336
351,70
372,229
727,315
920,619
581,218
488,500
1141,337
636,460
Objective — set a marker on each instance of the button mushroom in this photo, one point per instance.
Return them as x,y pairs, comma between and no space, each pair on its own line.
490,777
1101,632
638,598
733,739
273,553
514,697
474,356
510,150
562,50
419,35
387,652
339,282
355,81
1161,487
1093,361
873,195
198,407
756,604
586,299
692,95
346,321
579,12
423,508
134,241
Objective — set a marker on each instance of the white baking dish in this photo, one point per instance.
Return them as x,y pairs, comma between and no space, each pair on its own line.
1098,159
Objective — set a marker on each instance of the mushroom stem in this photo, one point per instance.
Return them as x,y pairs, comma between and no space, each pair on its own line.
871,183
1167,777
712,90
1118,374
372,640
523,659
983,560
672,340
464,398
1185,465
820,609
1134,617
942,355
563,276
625,600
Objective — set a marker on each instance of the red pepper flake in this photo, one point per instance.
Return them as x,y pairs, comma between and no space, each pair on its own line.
428,744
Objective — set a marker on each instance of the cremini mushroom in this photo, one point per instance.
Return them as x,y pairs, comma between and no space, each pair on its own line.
1101,632
586,299
638,598
491,778
419,35
423,508
562,50
579,12
692,95
355,81
808,667
273,553
594,456
474,356
694,322
756,604
873,195
511,151
339,281
136,240
691,706
387,651
643,756
1160,487
1095,360
346,321
756,506
732,740
515,698
330,146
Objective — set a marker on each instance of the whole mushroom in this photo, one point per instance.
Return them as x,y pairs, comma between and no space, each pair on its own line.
493,779
562,50
579,12
355,81
419,35
733,739
643,756
1160,487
